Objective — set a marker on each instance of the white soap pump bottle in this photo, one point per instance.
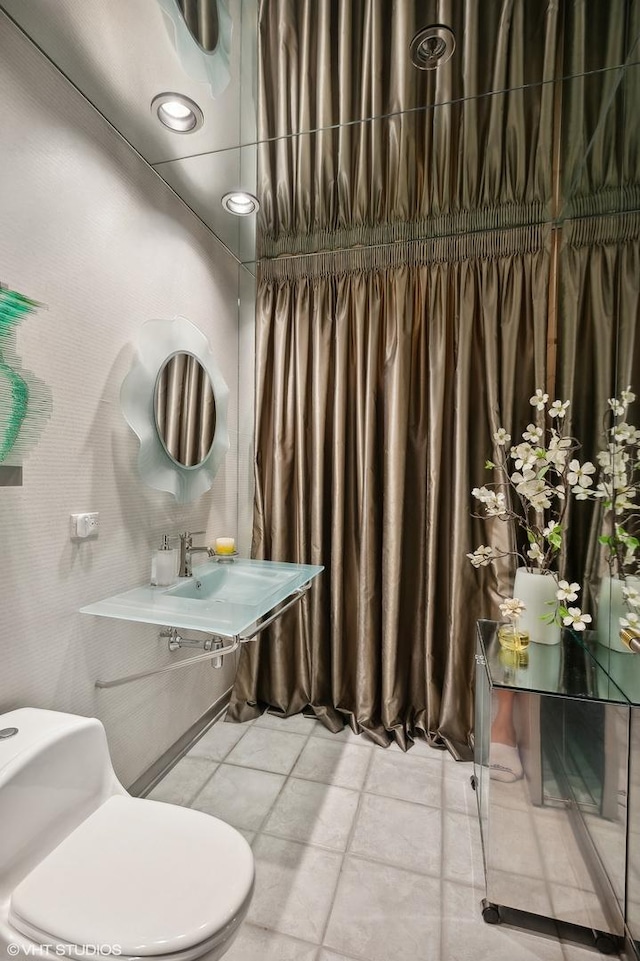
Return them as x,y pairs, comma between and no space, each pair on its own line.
163,565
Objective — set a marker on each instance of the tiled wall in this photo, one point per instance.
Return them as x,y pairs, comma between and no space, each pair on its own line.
87,228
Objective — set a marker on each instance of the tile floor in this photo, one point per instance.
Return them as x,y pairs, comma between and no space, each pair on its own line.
362,853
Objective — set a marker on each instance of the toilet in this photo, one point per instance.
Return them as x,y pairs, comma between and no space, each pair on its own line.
86,870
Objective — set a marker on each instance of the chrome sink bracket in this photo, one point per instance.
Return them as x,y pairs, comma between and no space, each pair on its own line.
220,652
177,641
217,645
213,652
295,597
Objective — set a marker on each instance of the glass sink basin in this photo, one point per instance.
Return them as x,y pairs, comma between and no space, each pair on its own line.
224,599
234,583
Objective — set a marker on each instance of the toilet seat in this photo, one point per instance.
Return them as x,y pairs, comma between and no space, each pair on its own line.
153,879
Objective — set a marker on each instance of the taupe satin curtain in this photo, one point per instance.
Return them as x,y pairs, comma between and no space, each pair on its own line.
403,298
378,384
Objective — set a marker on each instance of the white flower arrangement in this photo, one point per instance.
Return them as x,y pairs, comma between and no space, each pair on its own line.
574,618
536,479
617,488
513,608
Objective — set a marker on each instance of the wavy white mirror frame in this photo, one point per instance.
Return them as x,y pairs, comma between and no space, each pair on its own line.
158,340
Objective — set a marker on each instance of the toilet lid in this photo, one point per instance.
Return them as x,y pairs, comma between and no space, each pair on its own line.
152,878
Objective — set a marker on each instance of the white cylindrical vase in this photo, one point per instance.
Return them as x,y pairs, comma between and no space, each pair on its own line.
537,591
611,607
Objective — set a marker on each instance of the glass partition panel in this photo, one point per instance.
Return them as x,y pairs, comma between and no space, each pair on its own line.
623,527
585,361
598,35
599,307
596,349
591,157
599,144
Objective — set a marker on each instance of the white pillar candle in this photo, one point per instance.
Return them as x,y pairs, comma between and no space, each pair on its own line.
225,545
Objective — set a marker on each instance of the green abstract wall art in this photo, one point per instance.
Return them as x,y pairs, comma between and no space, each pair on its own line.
25,401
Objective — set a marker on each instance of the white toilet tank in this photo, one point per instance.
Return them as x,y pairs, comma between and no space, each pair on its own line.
55,770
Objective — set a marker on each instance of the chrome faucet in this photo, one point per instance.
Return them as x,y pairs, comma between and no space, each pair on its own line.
187,550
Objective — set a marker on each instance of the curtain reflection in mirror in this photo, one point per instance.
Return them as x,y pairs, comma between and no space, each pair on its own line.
185,410
201,17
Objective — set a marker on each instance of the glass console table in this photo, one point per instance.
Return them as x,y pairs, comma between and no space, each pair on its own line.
624,672
554,834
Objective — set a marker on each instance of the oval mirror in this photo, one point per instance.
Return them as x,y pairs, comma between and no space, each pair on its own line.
185,410
175,399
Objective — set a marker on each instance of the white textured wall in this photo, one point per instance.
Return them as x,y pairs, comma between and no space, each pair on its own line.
87,228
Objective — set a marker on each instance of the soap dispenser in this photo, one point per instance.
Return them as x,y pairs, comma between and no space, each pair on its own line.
163,565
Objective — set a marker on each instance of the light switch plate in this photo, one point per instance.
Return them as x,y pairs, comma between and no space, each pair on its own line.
84,525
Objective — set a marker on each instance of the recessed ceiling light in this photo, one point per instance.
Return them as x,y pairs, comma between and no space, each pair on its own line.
177,112
432,46
240,203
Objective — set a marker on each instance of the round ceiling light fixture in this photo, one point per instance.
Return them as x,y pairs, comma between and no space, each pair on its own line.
177,112
432,46
240,203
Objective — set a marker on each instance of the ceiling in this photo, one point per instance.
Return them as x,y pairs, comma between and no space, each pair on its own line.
121,54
